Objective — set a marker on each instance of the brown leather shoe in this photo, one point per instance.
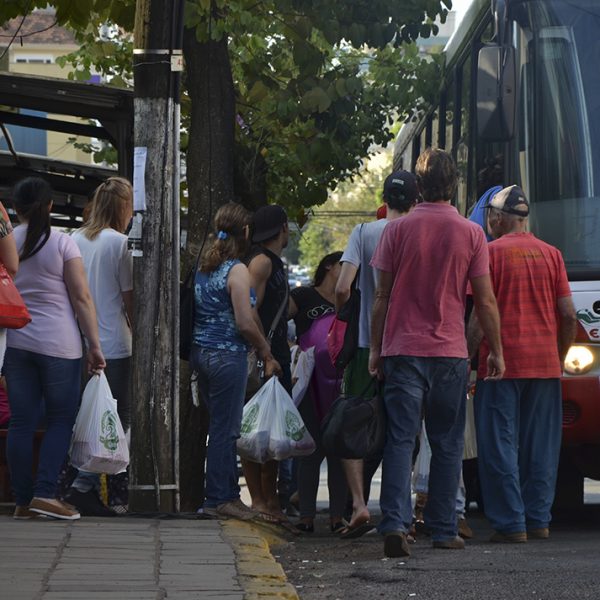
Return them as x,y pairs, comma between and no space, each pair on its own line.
22,513
456,543
465,532
395,544
542,533
517,537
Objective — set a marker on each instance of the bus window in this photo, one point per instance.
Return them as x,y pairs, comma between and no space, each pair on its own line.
462,147
558,158
435,129
449,118
423,137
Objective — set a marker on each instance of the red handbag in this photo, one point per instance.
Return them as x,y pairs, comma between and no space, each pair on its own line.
13,312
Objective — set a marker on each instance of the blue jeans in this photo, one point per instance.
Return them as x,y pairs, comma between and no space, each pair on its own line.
519,423
437,388
118,374
222,379
39,384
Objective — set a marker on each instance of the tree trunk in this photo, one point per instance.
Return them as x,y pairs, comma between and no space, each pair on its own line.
210,185
154,473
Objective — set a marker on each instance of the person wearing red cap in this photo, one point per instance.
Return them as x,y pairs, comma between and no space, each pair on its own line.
518,419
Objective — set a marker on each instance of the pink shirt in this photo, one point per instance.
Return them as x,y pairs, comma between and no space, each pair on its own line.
432,253
53,329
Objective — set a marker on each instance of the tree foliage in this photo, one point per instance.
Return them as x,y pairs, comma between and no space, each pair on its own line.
318,83
361,194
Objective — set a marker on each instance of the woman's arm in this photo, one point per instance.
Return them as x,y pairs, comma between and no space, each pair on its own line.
83,305
8,254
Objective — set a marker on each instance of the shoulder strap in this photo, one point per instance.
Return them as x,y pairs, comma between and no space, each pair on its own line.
279,314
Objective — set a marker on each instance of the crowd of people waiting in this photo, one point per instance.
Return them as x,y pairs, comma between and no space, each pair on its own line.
437,291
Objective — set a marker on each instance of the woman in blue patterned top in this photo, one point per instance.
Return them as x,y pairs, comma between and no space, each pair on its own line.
224,328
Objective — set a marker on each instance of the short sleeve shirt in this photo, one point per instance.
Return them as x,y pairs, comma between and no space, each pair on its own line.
360,249
432,253
40,279
528,277
311,306
109,269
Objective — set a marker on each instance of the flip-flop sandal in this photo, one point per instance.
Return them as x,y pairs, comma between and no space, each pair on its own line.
267,518
270,519
352,533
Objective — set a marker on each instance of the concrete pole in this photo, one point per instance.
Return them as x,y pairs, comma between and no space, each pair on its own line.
154,480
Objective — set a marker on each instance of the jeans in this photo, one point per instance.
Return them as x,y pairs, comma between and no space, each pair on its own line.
222,378
118,375
437,388
36,384
519,423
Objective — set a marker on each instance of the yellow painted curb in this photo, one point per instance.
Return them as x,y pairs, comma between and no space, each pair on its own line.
260,575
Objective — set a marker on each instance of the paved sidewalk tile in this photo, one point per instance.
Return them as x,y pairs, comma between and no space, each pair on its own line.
124,558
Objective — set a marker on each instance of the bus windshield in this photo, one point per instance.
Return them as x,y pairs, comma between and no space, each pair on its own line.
557,158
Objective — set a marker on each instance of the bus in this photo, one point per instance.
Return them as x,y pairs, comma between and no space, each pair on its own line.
521,87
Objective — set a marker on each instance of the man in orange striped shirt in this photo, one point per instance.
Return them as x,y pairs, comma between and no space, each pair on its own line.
519,418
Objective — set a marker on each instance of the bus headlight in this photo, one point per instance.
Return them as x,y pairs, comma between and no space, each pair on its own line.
579,360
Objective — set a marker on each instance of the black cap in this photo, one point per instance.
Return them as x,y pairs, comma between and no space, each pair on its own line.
267,222
400,183
511,200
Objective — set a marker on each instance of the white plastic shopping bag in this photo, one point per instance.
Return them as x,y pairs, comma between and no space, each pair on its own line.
99,444
420,478
272,428
302,373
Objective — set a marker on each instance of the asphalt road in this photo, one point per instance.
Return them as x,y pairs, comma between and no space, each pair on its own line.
567,566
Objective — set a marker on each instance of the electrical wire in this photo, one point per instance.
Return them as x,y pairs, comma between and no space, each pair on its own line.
16,33
24,35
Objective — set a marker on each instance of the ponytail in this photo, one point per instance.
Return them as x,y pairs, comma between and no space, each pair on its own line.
32,199
230,241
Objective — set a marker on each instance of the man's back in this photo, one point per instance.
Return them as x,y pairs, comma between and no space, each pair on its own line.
360,249
431,254
528,277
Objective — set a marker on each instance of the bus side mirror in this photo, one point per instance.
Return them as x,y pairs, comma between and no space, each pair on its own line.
496,93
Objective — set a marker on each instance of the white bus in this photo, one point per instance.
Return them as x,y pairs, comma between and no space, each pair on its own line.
522,87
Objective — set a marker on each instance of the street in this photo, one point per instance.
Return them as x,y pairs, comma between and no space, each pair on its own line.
322,566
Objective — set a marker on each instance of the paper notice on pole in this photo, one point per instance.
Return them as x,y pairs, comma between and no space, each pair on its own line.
139,178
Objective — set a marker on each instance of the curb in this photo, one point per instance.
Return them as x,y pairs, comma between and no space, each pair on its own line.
260,575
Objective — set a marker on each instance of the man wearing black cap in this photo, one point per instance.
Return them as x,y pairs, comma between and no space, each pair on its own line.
399,195
269,280
518,418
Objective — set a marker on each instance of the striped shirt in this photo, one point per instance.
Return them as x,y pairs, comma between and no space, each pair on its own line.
528,277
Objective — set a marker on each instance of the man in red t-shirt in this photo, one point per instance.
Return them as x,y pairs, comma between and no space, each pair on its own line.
425,261
519,419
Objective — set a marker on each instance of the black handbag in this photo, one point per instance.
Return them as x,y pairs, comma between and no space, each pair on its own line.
186,312
355,426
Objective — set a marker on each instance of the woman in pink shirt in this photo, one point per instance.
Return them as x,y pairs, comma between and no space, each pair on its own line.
43,360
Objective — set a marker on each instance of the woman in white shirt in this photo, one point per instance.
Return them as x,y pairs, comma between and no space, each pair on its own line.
109,270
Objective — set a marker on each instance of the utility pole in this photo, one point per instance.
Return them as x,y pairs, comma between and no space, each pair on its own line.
154,478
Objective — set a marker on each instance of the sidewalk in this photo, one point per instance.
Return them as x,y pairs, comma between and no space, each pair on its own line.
126,558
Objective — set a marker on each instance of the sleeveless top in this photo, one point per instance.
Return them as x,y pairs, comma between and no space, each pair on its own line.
214,320
275,291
